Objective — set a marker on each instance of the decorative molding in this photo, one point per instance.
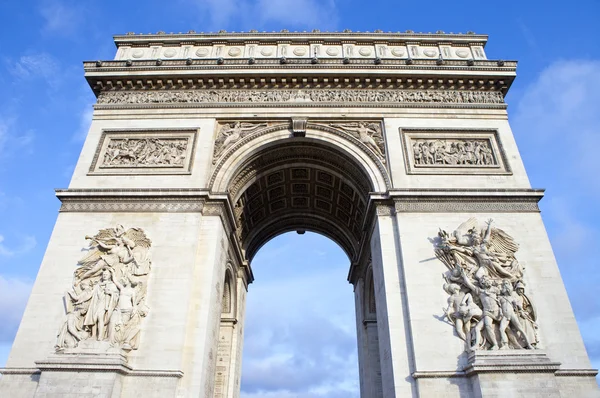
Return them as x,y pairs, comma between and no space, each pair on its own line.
299,97
453,151
132,200
437,374
464,205
99,363
214,209
20,371
139,206
384,210
577,372
148,151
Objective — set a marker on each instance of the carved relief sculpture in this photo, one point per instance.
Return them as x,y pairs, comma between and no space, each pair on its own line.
349,96
487,302
230,133
453,152
367,133
145,152
106,304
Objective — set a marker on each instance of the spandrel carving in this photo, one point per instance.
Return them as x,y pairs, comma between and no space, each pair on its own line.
106,304
145,152
453,152
367,133
487,305
230,133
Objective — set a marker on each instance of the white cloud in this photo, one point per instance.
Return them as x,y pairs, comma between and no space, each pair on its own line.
39,65
27,244
300,333
14,293
558,122
61,18
557,126
13,141
255,14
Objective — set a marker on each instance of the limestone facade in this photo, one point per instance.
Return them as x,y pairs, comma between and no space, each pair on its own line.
211,144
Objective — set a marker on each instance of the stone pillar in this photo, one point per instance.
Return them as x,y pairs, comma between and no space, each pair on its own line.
229,349
393,320
368,340
204,309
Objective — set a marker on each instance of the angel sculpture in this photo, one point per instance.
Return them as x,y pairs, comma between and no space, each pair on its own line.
485,278
107,300
233,132
490,252
366,132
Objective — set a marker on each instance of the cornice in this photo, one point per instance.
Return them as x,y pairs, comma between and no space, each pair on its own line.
299,73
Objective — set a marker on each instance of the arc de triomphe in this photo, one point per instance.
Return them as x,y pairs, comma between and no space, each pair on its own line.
205,146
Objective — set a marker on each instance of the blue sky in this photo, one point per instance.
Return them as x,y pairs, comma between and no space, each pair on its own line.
45,110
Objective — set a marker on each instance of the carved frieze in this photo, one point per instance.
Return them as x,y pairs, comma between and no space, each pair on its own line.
453,152
106,304
298,96
144,152
487,305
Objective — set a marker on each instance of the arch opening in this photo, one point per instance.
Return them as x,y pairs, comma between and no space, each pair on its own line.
301,184
299,332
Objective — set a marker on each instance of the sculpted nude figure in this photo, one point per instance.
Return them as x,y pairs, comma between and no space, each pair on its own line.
510,307
488,295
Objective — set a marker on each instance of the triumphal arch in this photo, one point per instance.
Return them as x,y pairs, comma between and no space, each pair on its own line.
203,147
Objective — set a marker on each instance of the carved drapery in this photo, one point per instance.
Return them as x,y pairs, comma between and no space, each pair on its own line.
487,304
105,307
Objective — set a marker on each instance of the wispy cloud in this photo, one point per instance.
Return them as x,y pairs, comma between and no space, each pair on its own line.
62,18
13,141
36,66
309,349
557,125
27,244
255,14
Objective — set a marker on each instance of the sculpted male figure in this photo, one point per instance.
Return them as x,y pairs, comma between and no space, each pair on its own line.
488,295
509,303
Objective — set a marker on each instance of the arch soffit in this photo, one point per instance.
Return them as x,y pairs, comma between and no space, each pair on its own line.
294,222
236,158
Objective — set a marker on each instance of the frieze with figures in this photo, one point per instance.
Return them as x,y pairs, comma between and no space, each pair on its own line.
300,96
144,152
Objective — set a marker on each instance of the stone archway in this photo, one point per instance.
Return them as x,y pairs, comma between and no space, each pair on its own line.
204,146
280,182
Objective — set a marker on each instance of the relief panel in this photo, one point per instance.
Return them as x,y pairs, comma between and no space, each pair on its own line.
453,152
144,152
